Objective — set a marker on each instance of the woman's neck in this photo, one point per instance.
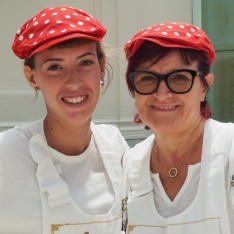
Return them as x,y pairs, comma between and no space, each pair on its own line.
174,147
69,140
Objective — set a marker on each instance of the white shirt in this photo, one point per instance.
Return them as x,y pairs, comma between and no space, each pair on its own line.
22,181
183,199
155,206
87,179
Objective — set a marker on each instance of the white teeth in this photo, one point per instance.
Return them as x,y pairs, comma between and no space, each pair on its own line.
165,107
75,99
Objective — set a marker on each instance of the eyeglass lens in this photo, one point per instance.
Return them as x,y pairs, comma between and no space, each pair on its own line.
177,82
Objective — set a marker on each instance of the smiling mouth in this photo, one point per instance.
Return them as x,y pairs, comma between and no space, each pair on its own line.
74,100
165,107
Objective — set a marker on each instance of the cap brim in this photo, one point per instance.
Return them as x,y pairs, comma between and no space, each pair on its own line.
55,41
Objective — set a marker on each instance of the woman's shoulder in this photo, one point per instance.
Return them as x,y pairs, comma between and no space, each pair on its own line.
108,128
141,151
106,131
144,145
16,137
109,137
14,147
215,125
214,122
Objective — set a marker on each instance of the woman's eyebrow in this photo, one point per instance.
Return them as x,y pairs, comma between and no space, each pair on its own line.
60,59
85,54
52,59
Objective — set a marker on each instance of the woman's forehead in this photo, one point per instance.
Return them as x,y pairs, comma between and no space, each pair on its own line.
172,61
59,53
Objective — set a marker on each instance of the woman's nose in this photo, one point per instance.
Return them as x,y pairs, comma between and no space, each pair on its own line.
74,78
162,92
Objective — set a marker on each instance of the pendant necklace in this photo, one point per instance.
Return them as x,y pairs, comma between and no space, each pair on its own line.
173,171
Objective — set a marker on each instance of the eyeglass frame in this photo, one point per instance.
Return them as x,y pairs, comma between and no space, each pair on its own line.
194,73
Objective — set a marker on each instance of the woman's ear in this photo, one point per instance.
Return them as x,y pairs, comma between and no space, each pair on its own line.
102,66
209,79
28,72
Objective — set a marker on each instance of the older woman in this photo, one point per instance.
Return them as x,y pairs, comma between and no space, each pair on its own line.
63,173
178,178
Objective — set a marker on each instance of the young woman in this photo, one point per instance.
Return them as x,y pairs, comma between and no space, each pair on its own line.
62,174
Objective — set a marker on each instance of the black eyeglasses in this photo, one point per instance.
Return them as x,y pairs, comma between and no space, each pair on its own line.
179,81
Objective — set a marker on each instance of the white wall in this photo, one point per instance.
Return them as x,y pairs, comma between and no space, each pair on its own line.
122,18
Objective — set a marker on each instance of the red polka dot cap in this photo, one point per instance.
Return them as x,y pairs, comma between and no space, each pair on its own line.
175,35
54,25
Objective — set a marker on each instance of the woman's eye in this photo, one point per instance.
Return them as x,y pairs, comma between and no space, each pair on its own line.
86,63
54,67
178,77
146,79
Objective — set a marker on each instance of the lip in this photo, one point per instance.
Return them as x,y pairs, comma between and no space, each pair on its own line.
74,100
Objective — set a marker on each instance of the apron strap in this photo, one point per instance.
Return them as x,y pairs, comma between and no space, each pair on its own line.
230,153
47,174
137,176
126,190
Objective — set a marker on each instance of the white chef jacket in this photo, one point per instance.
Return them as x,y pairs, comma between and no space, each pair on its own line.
211,211
34,198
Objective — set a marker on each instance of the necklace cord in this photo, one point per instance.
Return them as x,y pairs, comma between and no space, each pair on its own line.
173,171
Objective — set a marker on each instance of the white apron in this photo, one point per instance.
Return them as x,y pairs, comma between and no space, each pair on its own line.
208,211
61,215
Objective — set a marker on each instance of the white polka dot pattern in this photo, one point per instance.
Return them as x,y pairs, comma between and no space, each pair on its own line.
54,25
172,34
